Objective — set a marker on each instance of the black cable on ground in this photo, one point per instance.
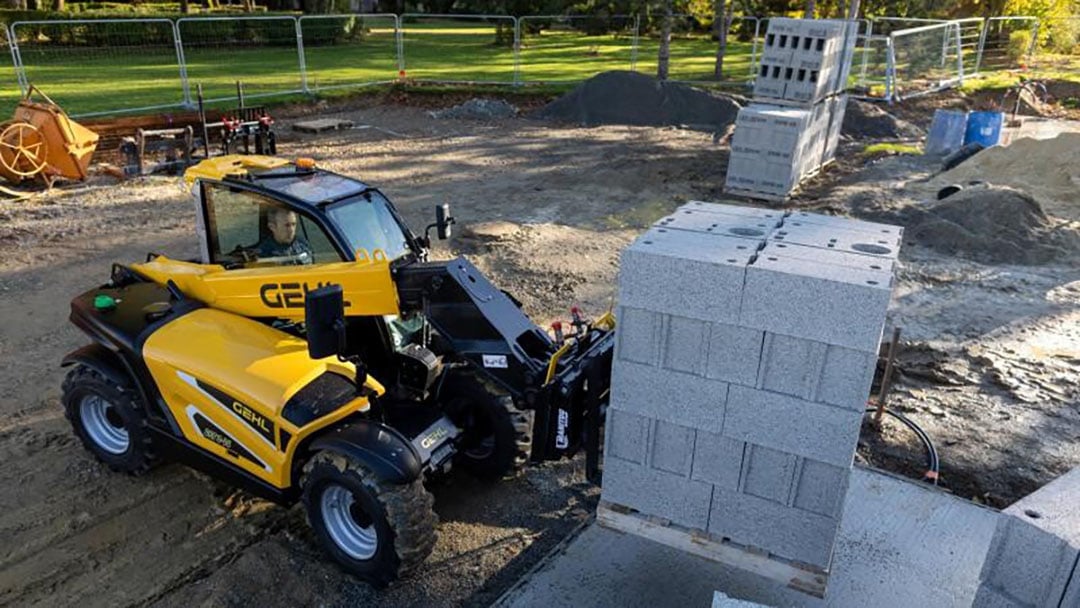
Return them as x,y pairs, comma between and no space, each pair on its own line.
933,464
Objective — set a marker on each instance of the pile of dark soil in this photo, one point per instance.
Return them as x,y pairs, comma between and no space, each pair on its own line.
630,98
866,120
992,225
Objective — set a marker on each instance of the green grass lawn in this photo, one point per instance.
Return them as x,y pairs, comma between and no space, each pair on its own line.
125,76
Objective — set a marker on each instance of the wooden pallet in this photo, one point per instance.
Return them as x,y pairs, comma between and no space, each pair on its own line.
320,125
698,542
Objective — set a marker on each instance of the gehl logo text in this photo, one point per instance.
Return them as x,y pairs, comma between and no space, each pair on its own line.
252,417
287,295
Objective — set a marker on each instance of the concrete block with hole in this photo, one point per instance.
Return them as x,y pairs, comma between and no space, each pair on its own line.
805,428
826,256
718,460
756,229
797,218
676,498
732,210
1034,558
637,335
685,273
671,447
679,398
626,436
830,304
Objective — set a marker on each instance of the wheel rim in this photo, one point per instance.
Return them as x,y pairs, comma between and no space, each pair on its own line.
350,527
482,449
103,424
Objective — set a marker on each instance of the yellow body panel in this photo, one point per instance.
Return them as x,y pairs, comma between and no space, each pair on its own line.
232,164
278,291
239,374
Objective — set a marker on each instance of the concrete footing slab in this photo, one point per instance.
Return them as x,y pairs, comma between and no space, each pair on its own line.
900,544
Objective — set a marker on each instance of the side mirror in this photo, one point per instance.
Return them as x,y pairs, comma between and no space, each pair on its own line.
324,318
443,221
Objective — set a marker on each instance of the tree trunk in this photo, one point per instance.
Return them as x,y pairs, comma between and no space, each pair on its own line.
185,6
722,23
663,57
811,5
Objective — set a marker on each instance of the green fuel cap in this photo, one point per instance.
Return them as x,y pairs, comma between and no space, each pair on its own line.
103,302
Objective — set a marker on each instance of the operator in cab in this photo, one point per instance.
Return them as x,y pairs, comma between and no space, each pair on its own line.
283,242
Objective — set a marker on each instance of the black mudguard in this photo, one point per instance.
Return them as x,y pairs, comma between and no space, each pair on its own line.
102,360
382,449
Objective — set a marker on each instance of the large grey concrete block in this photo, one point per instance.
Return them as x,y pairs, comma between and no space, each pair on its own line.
766,525
735,210
987,597
835,305
626,436
831,257
798,218
676,397
718,460
816,371
756,229
653,492
672,448
734,353
768,473
1036,546
637,335
685,273
820,488
838,239
789,424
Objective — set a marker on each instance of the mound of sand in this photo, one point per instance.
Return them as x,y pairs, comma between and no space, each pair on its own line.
630,98
1047,169
992,225
865,120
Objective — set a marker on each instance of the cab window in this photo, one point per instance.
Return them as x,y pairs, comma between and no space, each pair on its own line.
247,230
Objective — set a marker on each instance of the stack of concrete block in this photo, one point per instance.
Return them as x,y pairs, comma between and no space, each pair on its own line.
793,127
745,349
1034,558
805,60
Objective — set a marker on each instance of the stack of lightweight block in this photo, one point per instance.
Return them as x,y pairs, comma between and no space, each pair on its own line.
793,126
1034,558
745,349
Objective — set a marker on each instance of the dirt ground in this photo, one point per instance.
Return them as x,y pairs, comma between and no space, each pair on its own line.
990,364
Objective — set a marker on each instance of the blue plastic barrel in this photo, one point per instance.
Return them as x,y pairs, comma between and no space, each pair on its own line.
946,132
984,128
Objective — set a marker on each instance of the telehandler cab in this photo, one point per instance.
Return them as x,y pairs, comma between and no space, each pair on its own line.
338,369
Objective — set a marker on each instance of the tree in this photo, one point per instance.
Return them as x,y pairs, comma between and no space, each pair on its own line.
722,24
664,55
808,13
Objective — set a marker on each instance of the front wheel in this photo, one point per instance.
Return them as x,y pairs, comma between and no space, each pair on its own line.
496,438
109,419
373,529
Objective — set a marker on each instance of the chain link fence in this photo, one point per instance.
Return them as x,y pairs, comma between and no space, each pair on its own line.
128,65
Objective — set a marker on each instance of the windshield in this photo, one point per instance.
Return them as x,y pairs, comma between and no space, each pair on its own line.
368,223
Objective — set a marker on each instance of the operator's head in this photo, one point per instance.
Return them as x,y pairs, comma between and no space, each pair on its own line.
282,225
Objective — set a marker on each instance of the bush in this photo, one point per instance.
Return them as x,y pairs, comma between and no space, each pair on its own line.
1019,44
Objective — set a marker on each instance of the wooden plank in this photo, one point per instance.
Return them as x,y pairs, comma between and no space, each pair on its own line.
697,542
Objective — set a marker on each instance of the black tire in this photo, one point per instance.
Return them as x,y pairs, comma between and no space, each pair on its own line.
496,438
84,391
400,517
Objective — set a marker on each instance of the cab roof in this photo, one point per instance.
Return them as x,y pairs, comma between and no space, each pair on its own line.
278,177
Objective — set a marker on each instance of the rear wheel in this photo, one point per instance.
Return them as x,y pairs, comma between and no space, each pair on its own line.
496,438
375,530
109,419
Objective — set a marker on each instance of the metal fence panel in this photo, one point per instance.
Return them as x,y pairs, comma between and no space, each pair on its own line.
343,51
11,87
926,59
459,48
556,48
265,53
1007,43
97,66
